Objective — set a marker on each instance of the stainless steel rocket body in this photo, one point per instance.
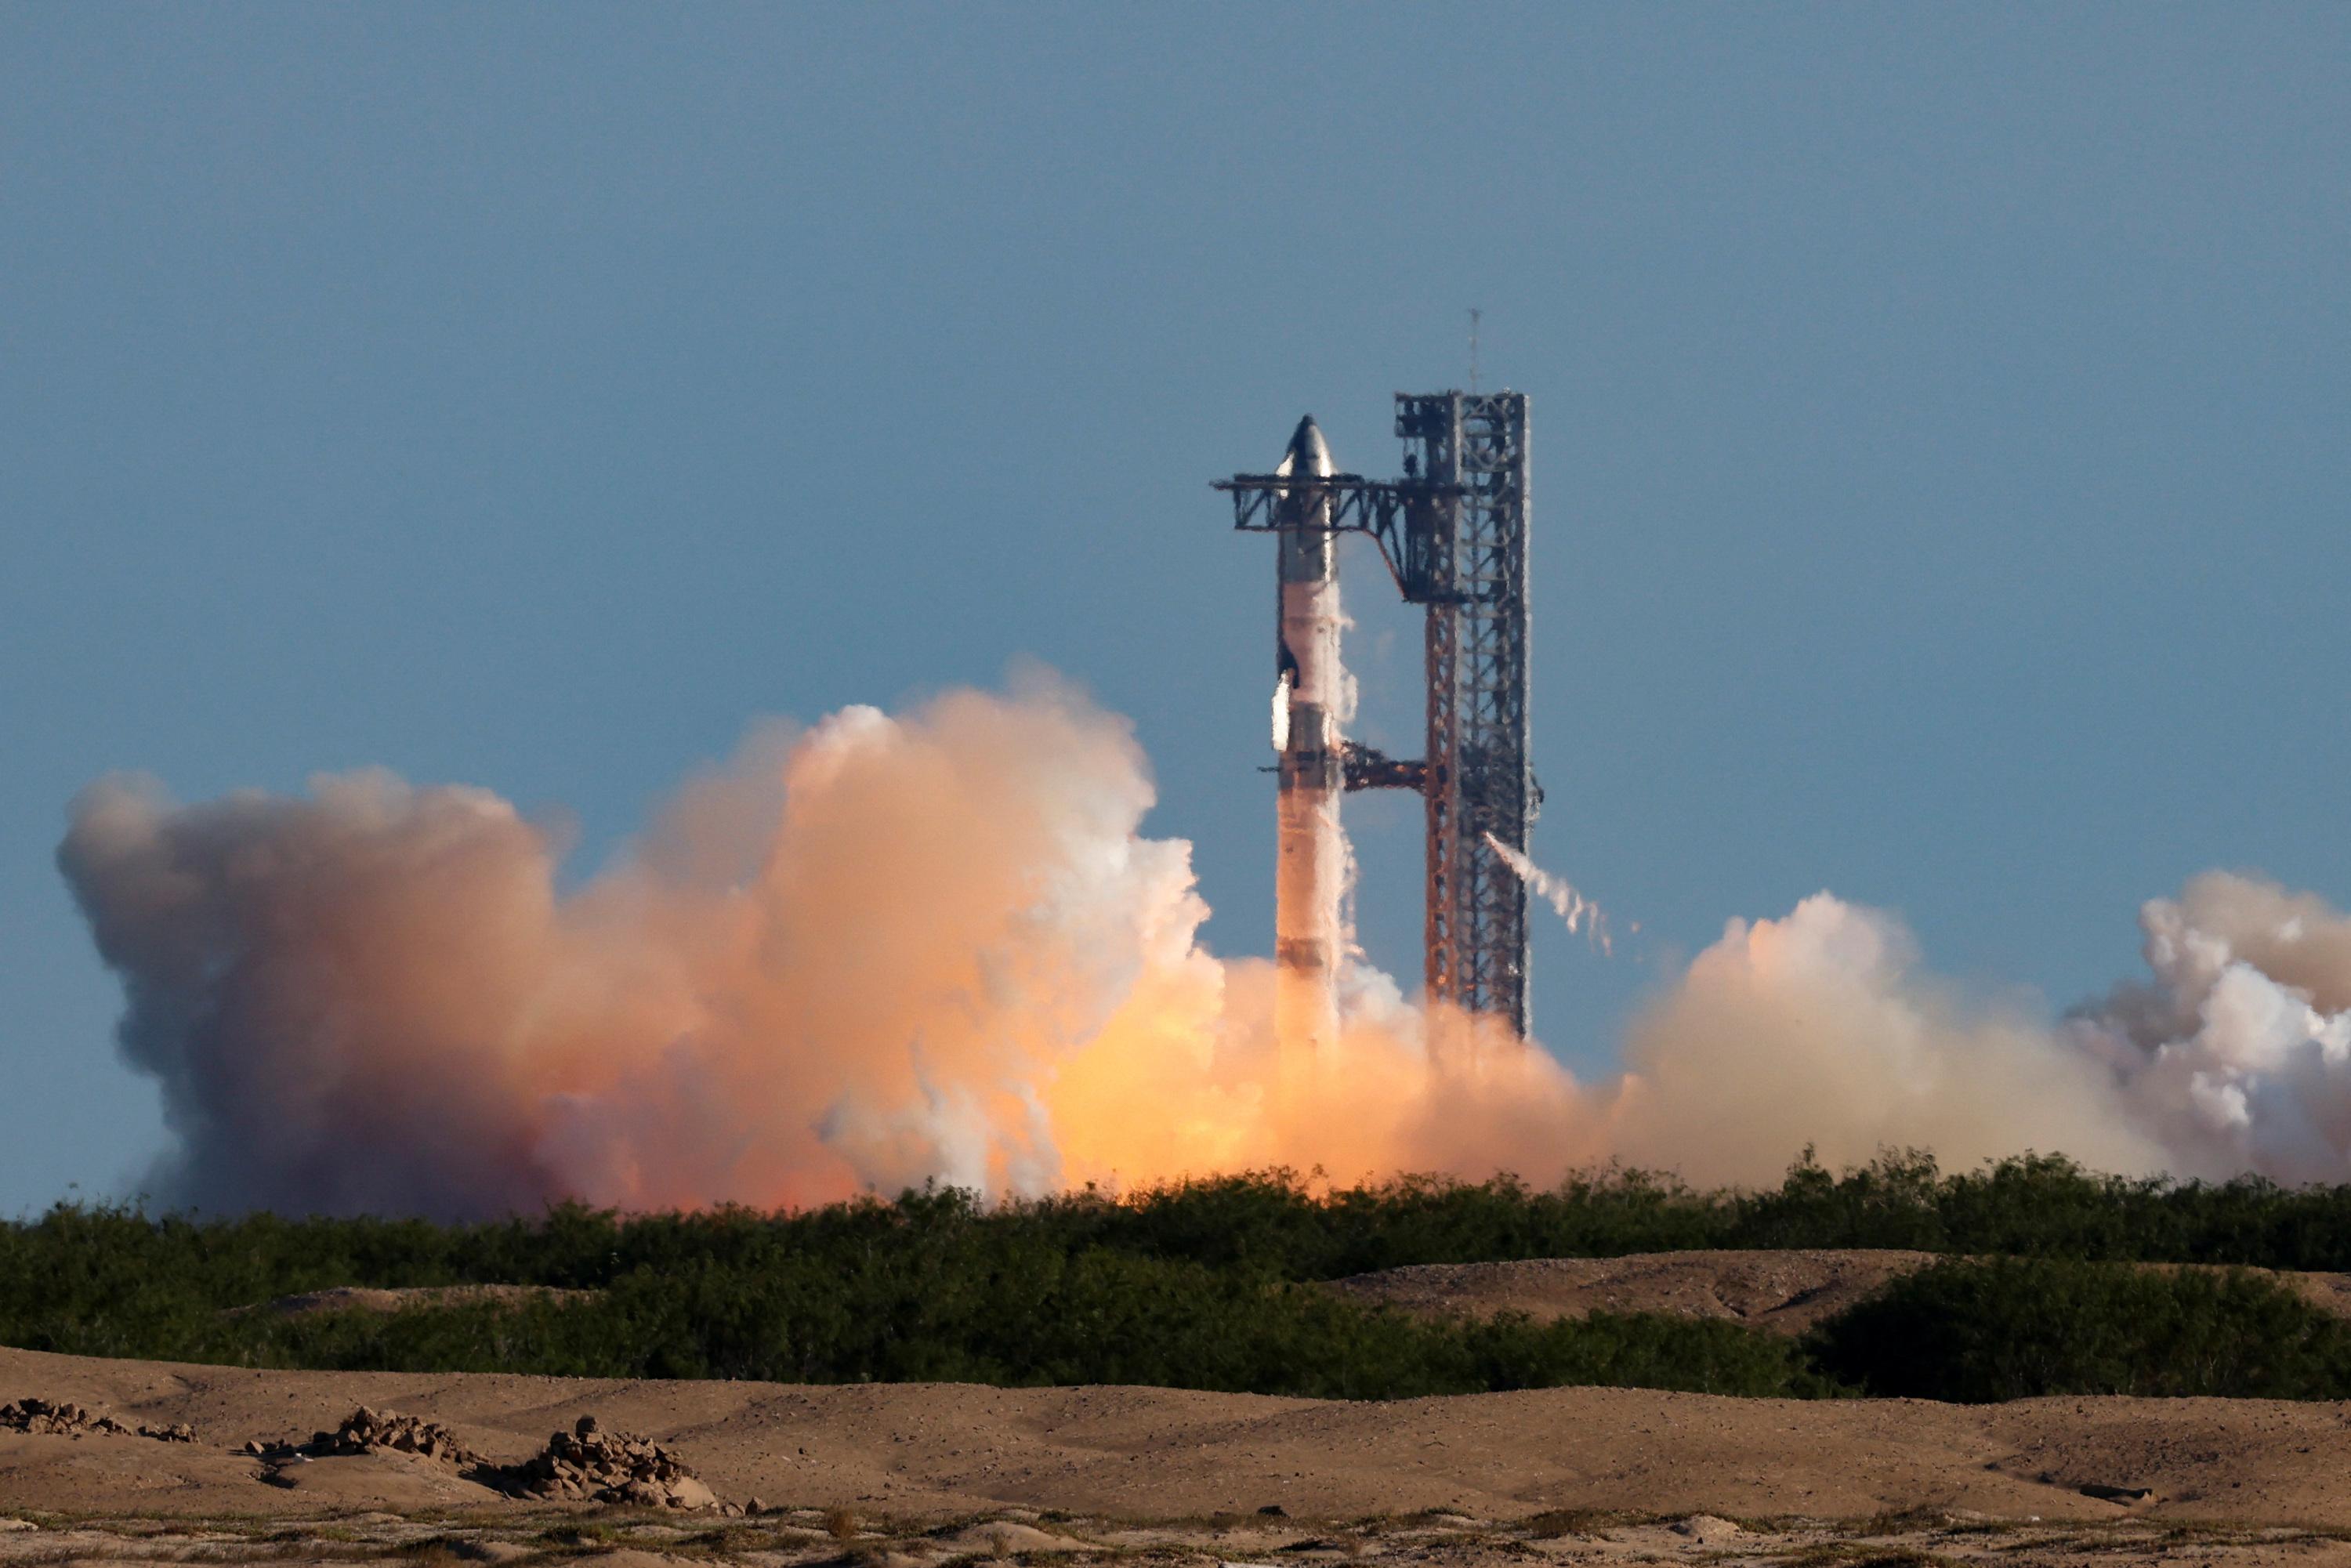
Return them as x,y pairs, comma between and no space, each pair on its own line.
1310,873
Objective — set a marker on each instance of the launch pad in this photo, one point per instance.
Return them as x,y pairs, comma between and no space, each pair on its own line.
1453,532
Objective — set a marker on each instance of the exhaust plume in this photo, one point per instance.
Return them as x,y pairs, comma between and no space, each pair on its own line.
938,945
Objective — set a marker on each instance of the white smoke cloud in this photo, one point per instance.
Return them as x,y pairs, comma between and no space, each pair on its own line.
938,946
1821,1028
2234,1055
2237,1054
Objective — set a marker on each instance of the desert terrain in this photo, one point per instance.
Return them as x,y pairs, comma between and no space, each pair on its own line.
905,1476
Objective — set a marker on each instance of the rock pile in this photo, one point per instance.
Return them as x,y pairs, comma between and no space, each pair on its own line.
366,1431
590,1464
64,1418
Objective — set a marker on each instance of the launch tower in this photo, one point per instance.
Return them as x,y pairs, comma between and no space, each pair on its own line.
1453,531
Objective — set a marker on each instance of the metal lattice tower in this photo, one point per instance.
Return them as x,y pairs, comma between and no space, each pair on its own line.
1454,533
1479,782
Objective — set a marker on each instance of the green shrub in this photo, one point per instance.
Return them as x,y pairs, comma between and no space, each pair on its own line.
1982,1331
1098,1319
1641,1350
1194,1283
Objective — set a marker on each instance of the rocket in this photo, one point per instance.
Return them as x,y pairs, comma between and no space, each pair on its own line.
1310,868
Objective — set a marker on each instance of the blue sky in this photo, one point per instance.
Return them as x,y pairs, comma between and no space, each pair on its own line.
1940,431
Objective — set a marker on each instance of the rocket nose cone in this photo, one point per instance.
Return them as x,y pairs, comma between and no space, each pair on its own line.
1309,453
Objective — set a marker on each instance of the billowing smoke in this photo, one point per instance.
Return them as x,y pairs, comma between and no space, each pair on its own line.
2236,1054
1821,1028
884,950
938,944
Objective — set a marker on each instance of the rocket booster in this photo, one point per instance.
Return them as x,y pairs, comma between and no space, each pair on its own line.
1310,873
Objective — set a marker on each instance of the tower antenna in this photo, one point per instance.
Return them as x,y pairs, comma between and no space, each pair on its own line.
1474,314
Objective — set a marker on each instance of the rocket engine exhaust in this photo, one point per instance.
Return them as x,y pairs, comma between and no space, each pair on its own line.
938,946
1310,867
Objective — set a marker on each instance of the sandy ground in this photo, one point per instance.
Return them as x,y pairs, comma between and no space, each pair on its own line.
939,1476
1786,1291
1602,1473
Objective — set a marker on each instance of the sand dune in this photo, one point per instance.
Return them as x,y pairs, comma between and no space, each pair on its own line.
1141,1453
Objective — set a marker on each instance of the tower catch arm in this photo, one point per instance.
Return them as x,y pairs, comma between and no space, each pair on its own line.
1411,520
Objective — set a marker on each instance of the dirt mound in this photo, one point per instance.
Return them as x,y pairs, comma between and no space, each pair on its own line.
1784,1292
589,1463
586,1464
64,1418
366,1431
376,1298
